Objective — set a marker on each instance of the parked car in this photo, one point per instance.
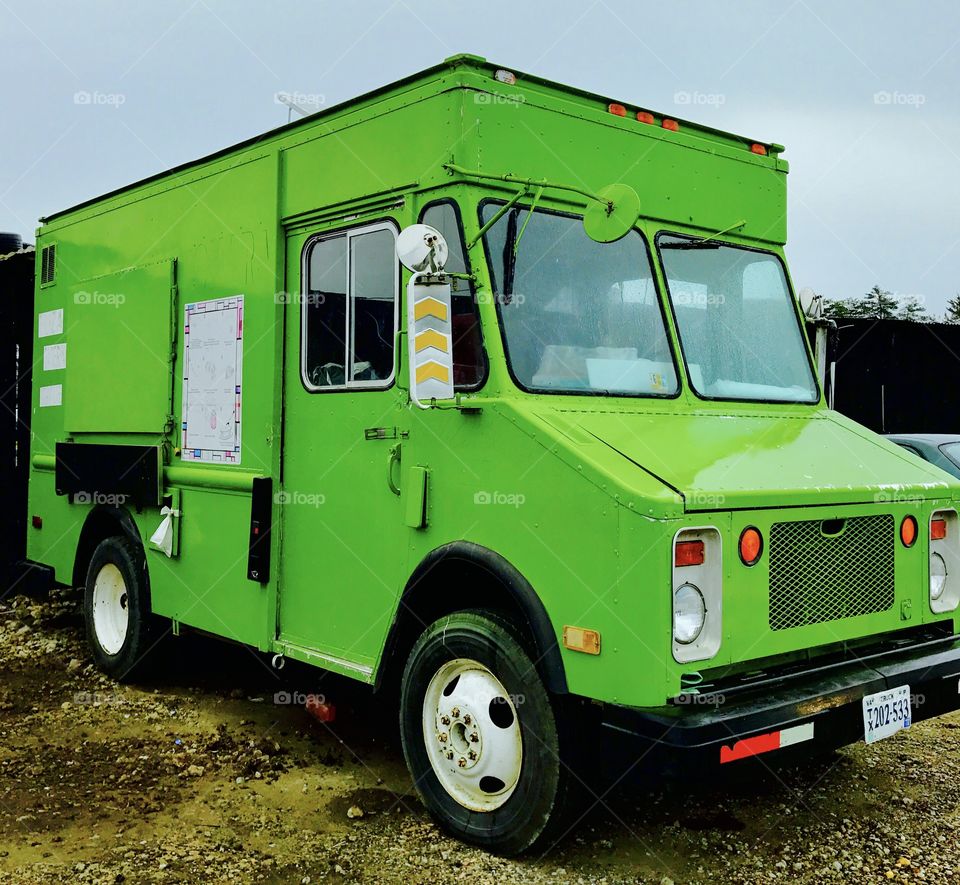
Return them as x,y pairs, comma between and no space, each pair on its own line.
942,449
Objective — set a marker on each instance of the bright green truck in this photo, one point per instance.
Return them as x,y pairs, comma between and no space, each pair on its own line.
564,473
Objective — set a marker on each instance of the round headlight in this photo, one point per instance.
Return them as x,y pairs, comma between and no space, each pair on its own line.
689,613
938,575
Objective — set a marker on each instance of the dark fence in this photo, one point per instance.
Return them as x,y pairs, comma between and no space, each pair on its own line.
16,369
895,376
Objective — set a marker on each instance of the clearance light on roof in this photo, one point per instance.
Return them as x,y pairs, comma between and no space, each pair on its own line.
507,77
758,149
645,116
672,125
617,109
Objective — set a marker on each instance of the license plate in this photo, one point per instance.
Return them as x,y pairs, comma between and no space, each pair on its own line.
885,713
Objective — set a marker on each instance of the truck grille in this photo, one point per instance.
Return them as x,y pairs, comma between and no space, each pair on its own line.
825,570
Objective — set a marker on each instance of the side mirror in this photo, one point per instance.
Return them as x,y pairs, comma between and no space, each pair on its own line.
810,303
423,250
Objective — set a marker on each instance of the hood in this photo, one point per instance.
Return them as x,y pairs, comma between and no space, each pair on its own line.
750,460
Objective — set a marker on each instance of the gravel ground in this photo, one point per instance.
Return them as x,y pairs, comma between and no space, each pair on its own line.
202,775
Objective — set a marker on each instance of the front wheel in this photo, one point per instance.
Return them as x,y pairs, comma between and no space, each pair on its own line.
480,735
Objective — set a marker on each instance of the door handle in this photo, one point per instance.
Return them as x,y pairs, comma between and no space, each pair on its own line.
393,458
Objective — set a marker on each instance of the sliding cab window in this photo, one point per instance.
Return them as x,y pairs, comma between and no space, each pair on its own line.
469,357
577,316
350,309
738,324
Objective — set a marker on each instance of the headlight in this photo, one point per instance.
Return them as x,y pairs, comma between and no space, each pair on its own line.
938,575
689,614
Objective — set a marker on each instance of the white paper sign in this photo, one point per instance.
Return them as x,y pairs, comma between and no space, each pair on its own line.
52,395
50,322
212,369
54,357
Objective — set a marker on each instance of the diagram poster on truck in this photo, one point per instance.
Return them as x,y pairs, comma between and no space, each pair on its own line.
212,367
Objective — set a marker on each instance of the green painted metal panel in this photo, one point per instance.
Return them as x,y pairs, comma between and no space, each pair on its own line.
119,330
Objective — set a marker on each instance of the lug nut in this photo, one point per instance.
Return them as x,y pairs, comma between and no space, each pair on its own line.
456,712
442,737
449,754
462,762
445,720
472,754
474,737
467,719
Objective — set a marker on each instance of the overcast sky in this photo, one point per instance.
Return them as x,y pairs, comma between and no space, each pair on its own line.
865,96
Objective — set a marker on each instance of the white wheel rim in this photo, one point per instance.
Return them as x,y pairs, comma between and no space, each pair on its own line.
476,757
110,610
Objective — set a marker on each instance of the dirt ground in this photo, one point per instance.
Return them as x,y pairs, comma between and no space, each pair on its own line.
216,772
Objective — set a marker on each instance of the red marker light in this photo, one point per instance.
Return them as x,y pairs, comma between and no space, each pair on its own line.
688,553
758,149
751,545
617,109
938,529
672,125
908,531
645,116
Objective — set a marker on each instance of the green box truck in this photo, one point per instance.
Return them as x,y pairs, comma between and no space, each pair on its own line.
564,472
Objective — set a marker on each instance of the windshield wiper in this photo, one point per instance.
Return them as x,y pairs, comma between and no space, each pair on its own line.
510,256
708,243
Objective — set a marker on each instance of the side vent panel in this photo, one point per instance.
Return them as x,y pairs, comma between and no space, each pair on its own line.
48,264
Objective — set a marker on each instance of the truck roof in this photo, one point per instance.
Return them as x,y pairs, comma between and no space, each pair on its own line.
437,72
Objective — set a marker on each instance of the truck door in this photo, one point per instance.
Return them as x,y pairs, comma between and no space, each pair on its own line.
342,526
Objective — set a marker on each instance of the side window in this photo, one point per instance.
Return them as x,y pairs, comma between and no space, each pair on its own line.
350,309
469,358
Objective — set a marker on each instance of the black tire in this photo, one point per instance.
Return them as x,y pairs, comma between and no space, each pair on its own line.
123,655
536,810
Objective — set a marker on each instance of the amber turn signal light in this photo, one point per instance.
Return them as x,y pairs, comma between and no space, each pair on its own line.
908,531
581,639
751,545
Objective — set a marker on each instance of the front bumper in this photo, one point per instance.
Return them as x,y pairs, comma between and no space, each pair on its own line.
817,711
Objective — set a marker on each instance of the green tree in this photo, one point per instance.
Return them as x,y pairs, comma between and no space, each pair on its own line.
877,304
911,309
953,309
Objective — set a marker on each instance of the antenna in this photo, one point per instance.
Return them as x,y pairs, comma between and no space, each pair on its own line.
284,98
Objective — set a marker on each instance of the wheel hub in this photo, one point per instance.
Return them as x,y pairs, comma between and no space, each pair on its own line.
472,735
111,611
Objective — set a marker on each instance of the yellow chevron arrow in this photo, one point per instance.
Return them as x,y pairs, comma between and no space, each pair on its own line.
432,369
430,338
430,307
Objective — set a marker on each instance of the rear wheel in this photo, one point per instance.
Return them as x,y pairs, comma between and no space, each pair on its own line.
480,735
116,607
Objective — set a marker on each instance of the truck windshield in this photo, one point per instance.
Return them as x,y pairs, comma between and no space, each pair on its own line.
577,316
737,323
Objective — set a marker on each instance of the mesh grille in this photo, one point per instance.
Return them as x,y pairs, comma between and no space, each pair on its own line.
816,577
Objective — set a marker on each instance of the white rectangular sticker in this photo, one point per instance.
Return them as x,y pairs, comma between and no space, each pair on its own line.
50,322
212,370
52,395
54,357
885,713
